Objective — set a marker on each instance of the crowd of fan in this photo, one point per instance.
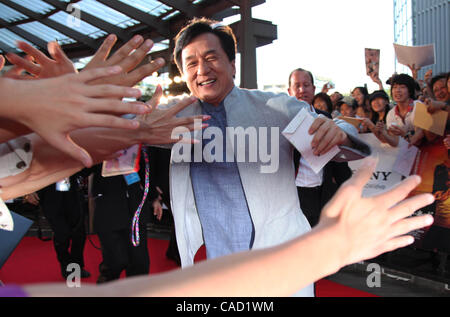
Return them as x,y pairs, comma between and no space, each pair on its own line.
391,117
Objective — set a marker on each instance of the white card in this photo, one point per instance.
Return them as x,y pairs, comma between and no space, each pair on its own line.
405,158
6,220
420,56
297,133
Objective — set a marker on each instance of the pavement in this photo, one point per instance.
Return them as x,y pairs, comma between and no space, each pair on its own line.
383,281
408,272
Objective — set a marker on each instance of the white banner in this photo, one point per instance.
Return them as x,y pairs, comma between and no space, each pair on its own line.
384,176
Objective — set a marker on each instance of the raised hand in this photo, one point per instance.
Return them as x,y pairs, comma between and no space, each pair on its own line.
39,65
54,107
374,225
327,135
126,59
447,142
397,130
428,76
368,124
157,208
158,126
14,72
414,70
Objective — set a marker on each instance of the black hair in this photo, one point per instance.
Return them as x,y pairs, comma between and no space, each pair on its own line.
408,81
301,70
199,26
352,104
378,94
437,78
363,90
325,98
365,93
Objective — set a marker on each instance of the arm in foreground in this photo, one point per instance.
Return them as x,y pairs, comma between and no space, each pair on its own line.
351,229
49,164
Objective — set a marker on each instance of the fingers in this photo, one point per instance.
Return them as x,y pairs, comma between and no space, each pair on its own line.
330,140
327,134
40,57
156,97
111,91
141,72
399,233
2,61
57,53
192,123
104,50
181,105
108,121
98,73
411,224
320,120
398,192
24,63
117,107
394,244
125,50
352,187
407,207
132,60
363,174
65,144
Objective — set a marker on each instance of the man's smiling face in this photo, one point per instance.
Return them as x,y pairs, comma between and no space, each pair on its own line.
208,72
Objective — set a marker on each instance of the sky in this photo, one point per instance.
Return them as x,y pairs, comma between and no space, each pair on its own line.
327,37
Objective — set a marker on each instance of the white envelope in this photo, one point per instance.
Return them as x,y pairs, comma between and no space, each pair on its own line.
6,220
297,133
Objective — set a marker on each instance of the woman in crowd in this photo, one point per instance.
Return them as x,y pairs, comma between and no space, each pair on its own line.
323,102
379,103
361,96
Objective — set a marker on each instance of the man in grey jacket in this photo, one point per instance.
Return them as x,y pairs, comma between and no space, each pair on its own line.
235,190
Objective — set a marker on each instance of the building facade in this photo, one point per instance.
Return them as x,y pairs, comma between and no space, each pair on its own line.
422,22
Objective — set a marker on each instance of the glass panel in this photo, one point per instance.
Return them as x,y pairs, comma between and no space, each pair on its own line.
38,6
46,33
169,16
152,7
106,13
10,15
9,38
80,26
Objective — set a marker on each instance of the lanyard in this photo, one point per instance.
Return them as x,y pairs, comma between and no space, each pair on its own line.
135,239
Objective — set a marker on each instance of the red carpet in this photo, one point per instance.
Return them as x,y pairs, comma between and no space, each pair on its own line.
34,261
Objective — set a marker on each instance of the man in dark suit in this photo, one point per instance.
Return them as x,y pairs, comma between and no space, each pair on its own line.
116,200
63,205
159,167
314,190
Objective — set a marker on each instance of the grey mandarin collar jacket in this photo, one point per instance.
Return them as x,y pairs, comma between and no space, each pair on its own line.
272,197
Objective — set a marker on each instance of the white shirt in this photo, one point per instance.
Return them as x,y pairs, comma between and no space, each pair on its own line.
306,177
393,116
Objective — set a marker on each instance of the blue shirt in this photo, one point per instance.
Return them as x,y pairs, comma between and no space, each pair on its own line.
219,196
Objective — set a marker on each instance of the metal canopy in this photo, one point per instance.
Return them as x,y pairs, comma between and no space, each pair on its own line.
80,26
